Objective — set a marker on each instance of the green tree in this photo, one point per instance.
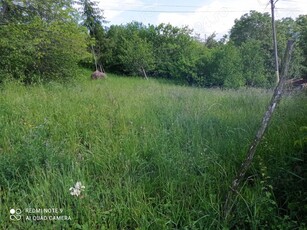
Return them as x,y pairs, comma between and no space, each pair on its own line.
226,67
211,42
129,51
288,28
38,45
93,19
301,22
253,64
253,34
136,55
203,66
174,51
23,11
114,37
255,25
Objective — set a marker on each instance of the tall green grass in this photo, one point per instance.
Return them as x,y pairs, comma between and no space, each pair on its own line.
151,155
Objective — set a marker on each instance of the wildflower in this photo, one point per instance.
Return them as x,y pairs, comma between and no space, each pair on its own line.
76,190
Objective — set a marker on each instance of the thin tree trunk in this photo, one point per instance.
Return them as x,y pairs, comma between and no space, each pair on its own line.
4,9
145,75
94,56
265,121
101,68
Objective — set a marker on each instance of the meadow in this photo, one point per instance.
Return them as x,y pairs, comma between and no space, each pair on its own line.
151,155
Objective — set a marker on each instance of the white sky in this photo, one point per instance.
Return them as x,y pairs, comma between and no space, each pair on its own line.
204,16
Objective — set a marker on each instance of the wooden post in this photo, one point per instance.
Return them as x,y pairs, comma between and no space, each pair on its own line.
275,41
229,203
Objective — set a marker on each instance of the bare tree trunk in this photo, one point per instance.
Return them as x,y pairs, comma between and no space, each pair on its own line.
145,75
265,121
94,56
4,9
101,68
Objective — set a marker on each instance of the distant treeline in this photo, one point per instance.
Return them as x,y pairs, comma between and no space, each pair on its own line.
46,40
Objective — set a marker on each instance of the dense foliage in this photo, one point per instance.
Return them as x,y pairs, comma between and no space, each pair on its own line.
245,59
40,40
92,18
48,40
151,155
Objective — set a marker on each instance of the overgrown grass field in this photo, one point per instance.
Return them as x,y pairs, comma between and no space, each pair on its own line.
151,155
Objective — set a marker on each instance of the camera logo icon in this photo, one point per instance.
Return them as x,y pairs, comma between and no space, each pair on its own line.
15,214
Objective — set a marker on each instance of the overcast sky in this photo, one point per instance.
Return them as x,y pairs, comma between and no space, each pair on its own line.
204,16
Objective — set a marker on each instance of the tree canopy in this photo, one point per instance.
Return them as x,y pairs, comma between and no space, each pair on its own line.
51,39
40,40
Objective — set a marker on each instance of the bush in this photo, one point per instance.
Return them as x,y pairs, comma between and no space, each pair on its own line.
39,51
